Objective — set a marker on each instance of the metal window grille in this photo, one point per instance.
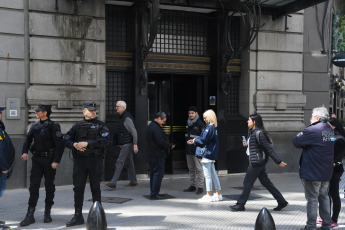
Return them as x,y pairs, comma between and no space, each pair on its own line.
181,32
232,99
119,87
119,26
235,34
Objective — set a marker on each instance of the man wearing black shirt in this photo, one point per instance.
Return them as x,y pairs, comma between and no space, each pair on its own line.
46,151
88,139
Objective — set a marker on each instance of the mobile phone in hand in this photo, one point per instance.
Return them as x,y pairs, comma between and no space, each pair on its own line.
244,138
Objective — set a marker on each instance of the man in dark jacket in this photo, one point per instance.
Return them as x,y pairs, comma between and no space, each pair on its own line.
88,139
6,159
157,147
316,166
193,129
46,152
127,139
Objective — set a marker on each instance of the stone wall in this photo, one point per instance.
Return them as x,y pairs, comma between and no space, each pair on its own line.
13,77
54,54
284,77
67,57
316,82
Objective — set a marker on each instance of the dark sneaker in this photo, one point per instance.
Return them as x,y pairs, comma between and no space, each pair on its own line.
157,197
110,185
200,191
281,206
237,208
190,189
132,185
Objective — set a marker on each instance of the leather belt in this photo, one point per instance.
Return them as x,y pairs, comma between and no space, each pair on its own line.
41,154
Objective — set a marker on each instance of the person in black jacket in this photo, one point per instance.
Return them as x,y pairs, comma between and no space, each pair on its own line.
127,139
258,151
88,139
6,160
193,129
338,169
46,151
157,147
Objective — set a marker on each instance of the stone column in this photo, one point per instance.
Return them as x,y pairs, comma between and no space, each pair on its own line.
67,58
273,83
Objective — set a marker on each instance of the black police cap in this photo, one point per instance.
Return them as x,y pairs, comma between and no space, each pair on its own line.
43,107
90,105
2,109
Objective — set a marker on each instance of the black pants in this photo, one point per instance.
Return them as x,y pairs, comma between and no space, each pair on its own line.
251,175
157,165
334,194
84,167
41,166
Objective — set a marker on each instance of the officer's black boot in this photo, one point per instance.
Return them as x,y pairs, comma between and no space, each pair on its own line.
29,218
77,219
47,218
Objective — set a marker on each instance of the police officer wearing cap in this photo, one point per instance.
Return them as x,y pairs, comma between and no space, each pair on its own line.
46,152
88,139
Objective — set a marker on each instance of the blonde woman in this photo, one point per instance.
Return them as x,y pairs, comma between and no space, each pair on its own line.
207,151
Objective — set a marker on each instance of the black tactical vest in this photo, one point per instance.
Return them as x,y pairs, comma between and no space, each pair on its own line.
123,136
43,139
87,130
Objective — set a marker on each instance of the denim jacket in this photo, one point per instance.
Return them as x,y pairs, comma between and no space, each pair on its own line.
209,140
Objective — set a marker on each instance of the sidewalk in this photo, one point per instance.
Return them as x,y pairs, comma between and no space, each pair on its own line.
181,212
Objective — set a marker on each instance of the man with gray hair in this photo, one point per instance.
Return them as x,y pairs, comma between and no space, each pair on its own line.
316,166
127,139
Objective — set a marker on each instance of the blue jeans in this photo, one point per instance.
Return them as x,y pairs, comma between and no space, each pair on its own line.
211,175
316,194
157,165
3,180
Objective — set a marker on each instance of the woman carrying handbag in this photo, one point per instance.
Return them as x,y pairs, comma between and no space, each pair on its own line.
207,151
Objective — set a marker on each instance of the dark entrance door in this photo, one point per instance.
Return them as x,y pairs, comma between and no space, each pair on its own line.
173,94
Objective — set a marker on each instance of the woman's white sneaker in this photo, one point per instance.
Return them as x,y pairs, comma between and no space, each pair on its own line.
206,198
217,197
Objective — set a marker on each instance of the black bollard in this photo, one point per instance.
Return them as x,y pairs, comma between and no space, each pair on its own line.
4,227
96,218
264,221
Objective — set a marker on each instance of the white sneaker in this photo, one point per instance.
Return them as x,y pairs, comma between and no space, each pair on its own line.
217,197
206,198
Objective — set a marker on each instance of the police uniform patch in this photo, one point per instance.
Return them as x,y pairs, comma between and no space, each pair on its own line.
300,134
105,134
58,134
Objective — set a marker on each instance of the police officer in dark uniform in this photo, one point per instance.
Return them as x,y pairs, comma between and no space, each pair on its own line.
46,151
7,153
88,139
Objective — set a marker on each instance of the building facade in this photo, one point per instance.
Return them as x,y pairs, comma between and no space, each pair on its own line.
163,57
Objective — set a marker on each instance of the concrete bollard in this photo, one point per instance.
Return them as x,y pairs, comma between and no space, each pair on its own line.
96,218
264,221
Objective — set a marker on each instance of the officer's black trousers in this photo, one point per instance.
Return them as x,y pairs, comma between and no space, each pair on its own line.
41,166
83,167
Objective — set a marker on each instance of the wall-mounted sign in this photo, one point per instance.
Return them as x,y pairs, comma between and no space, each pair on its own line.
13,108
212,100
339,60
